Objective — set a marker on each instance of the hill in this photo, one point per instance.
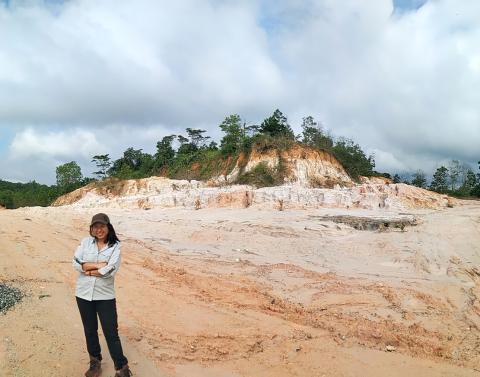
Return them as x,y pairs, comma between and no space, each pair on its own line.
305,178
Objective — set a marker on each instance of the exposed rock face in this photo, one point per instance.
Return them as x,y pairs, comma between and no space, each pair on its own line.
304,166
313,179
162,192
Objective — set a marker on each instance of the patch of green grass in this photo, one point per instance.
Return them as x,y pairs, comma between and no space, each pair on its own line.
264,142
260,176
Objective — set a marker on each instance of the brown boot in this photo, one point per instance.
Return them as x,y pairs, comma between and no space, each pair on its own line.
95,368
124,372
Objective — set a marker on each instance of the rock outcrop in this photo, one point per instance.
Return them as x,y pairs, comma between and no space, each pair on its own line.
313,179
303,166
162,192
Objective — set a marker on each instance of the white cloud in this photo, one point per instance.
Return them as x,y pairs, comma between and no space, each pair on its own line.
400,84
403,85
140,62
34,153
31,143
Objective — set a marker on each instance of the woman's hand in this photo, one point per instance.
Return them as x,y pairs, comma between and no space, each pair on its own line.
89,266
93,273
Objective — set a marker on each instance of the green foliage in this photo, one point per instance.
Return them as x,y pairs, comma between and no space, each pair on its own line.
69,176
454,171
233,140
212,163
469,181
103,163
260,176
213,146
264,142
419,179
165,153
353,159
198,157
133,165
15,195
440,180
461,182
314,136
6,196
196,138
277,125
186,148
476,189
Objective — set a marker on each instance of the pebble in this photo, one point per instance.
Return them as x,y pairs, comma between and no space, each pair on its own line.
390,348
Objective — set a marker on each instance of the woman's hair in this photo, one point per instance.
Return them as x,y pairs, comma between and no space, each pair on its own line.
112,238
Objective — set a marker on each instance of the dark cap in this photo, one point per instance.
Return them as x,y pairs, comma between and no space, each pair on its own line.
100,218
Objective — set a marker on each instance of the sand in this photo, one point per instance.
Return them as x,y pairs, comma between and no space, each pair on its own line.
252,292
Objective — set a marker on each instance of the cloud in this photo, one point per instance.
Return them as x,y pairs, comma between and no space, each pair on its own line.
139,62
401,84
34,153
31,143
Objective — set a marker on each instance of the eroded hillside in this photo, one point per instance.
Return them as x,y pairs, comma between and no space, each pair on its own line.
311,179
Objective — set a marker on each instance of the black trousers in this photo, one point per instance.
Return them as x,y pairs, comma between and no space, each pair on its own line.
107,312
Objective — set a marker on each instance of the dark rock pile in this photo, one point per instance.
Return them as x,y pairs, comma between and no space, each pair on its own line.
9,296
372,223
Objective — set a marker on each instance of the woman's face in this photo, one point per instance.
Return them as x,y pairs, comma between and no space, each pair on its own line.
100,231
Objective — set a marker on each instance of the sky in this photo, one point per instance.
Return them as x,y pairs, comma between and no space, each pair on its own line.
86,77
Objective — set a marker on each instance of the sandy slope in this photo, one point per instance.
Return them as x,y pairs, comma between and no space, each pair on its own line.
252,292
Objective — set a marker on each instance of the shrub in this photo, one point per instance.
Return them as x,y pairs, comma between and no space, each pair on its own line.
260,176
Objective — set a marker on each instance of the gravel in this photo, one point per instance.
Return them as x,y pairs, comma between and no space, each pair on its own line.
9,296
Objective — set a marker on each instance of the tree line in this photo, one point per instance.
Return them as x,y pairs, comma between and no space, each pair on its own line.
176,154
456,179
194,155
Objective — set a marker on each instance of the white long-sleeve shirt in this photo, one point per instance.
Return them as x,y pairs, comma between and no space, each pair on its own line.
91,287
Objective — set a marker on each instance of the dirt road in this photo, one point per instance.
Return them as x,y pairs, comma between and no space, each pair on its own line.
247,292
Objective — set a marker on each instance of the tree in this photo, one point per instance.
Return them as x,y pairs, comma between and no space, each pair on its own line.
277,126
469,183
440,180
165,152
134,158
471,180
69,176
213,146
232,142
6,199
14,195
476,190
314,136
133,164
196,137
186,147
353,158
419,179
396,178
103,163
454,171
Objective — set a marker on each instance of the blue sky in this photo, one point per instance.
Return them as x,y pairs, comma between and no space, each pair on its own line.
408,5
83,77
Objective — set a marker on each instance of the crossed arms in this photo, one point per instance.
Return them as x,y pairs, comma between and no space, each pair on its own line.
97,269
91,268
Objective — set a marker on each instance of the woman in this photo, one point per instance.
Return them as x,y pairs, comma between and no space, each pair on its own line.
97,260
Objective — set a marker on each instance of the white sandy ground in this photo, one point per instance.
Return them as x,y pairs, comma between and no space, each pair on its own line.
252,292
